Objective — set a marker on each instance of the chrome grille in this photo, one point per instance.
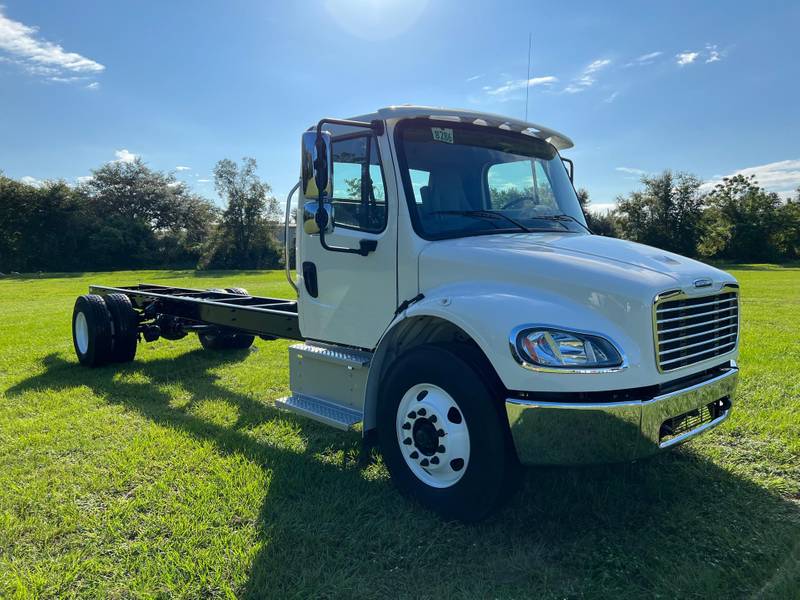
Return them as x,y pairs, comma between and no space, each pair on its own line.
689,330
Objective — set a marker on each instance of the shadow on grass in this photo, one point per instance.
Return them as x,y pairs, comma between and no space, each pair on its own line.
677,525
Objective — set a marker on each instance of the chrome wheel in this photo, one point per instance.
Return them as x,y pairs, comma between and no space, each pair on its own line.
433,435
81,333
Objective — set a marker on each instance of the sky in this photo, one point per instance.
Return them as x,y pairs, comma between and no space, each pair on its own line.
711,88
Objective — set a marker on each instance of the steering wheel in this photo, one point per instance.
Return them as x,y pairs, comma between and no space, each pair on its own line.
519,200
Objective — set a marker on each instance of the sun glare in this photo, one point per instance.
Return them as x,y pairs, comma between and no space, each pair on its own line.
375,19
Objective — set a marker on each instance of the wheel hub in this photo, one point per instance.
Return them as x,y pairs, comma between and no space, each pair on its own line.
426,438
433,435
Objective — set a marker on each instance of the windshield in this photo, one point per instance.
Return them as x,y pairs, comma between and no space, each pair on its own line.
472,180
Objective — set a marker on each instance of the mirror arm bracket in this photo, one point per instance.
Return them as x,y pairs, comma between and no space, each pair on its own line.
364,246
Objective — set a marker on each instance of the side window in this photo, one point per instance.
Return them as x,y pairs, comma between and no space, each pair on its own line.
359,192
520,184
419,183
509,182
544,189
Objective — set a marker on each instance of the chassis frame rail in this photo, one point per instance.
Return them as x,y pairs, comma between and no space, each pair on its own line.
256,315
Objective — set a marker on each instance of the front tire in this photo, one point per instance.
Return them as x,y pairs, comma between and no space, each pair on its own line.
442,434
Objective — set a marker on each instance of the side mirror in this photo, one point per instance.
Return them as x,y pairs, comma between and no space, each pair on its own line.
316,219
317,165
570,167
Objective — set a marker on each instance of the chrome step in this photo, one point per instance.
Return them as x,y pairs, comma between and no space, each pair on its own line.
326,412
346,357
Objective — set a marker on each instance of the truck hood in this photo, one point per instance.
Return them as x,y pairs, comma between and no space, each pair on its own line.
562,261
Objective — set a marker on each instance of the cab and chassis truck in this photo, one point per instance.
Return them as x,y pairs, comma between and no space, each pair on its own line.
452,301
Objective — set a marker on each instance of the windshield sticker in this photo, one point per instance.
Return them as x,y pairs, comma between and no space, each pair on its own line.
441,134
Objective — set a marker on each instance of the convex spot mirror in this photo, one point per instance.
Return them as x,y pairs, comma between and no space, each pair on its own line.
316,219
317,165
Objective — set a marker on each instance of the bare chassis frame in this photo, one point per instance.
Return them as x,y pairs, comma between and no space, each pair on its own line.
267,317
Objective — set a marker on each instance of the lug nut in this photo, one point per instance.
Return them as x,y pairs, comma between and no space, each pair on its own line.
440,448
422,412
424,462
434,460
406,425
414,455
440,432
412,415
432,418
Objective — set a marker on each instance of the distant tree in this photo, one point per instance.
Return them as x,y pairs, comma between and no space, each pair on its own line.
141,217
243,238
787,239
601,224
40,227
665,214
743,221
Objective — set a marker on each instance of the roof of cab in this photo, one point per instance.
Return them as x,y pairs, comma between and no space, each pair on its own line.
406,111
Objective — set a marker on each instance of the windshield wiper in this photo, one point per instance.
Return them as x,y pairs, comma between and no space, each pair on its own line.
482,214
560,218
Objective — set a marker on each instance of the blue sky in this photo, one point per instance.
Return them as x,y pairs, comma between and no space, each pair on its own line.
707,87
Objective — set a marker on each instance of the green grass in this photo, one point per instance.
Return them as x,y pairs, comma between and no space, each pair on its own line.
174,476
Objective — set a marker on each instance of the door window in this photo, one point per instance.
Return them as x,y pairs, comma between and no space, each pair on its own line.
359,192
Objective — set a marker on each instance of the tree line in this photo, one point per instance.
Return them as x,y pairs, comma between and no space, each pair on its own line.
737,220
128,216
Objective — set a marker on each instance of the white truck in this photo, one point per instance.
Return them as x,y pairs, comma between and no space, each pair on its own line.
451,301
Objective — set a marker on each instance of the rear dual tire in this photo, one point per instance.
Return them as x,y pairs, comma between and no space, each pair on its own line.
227,341
104,329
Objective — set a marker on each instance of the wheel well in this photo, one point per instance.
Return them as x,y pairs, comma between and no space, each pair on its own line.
409,334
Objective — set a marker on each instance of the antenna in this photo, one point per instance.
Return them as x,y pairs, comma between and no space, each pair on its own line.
528,80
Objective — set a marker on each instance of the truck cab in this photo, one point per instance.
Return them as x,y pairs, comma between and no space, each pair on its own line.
452,301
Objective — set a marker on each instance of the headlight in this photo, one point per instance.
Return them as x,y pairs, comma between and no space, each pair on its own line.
559,349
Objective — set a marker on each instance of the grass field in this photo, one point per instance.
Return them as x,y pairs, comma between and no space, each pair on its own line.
174,476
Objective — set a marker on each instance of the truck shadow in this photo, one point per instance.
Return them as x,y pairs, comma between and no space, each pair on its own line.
677,524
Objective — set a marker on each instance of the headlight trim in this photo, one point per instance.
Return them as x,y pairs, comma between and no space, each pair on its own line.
520,356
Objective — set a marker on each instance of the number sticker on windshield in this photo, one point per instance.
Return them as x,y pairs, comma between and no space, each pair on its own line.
441,134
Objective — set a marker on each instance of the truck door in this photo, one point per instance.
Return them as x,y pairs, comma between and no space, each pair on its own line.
347,298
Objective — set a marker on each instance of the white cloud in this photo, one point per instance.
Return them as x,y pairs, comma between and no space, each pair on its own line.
474,77
686,58
203,181
125,156
182,168
602,208
631,170
502,92
587,77
83,179
611,98
649,56
40,57
714,55
29,180
644,59
93,86
782,177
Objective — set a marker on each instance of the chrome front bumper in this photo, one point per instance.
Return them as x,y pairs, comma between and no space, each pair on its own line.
581,433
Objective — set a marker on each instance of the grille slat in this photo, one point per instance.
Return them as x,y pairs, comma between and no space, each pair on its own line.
666,310
691,330
727,309
696,344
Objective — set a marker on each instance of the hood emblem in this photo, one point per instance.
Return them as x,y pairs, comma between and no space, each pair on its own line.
701,283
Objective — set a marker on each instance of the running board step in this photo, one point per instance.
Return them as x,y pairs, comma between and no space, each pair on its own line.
323,411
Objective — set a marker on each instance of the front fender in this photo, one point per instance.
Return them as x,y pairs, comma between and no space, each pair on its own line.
489,315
